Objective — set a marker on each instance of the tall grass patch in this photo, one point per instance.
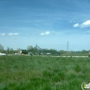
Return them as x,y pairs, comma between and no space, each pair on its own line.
43,73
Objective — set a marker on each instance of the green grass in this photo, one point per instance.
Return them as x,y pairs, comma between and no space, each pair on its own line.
43,73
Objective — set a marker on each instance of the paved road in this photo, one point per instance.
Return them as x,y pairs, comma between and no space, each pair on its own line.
69,56
51,56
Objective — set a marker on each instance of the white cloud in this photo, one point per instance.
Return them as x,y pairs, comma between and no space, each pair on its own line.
42,34
76,25
10,34
83,24
45,33
13,34
2,34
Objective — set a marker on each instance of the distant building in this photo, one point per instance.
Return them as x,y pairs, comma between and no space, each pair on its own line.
38,48
23,52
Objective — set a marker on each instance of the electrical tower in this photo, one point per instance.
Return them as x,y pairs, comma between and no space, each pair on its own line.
67,46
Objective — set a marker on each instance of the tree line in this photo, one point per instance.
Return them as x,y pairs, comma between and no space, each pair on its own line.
31,49
39,51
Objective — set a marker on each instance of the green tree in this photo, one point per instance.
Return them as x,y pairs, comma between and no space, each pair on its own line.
10,50
30,48
1,48
62,52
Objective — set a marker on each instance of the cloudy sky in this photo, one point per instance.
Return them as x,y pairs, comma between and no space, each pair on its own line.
47,23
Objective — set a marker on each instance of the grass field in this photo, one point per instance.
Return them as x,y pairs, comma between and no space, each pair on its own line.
43,73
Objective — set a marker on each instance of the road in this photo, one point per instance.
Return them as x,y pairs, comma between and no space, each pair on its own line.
69,56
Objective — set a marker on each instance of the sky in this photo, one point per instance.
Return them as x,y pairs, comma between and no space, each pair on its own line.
51,24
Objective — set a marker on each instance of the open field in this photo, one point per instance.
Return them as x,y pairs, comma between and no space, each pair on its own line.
43,73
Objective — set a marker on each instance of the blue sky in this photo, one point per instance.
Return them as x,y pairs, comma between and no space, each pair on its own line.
49,23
